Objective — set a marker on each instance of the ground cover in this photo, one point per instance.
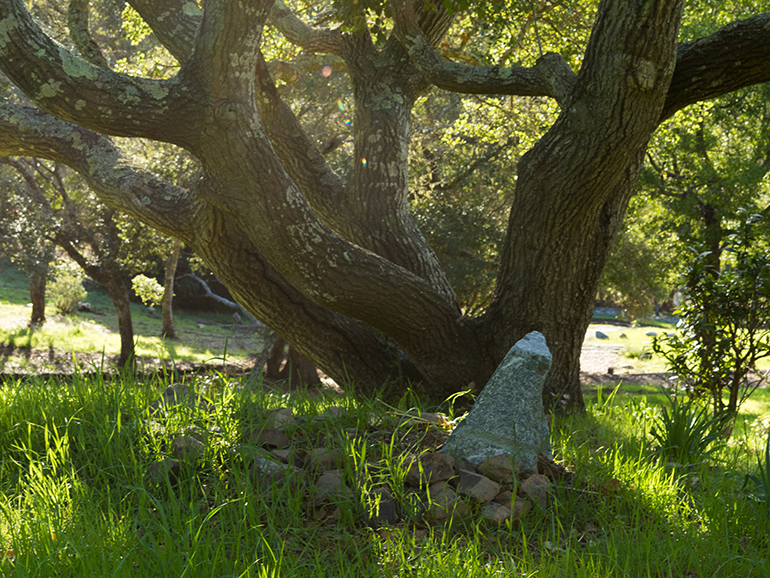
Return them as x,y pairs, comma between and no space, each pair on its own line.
76,498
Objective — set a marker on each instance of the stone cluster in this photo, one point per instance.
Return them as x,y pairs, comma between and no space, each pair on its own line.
436,486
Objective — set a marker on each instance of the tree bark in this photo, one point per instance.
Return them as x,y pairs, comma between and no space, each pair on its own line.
37,283
118,291
338,268
169,271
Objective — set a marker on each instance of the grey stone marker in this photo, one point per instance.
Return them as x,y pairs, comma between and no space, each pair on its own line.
508,416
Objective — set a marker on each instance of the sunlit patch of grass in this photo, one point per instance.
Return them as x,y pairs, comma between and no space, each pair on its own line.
203,337
74,499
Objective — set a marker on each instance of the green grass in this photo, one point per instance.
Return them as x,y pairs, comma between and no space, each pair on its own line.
75,501
202,336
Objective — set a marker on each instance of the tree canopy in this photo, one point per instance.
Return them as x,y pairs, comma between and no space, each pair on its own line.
327,252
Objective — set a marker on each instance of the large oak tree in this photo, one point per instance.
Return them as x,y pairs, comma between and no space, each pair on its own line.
338,266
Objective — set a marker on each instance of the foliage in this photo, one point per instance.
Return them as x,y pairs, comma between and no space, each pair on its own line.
686,431
148,290
723,327
762,479
638,274
66,290
25,234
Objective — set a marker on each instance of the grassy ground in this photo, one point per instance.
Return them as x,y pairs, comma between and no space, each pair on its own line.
202,337
75,500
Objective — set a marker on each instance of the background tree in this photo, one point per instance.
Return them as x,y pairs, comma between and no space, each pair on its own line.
85,229
336,264
24,237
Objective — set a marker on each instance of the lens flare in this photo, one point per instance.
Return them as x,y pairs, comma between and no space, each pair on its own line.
326,70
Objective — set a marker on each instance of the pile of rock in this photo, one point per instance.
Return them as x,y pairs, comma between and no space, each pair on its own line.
488,467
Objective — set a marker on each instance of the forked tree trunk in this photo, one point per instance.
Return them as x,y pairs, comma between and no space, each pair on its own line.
339,269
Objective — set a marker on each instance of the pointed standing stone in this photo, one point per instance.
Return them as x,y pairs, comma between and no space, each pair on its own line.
508,416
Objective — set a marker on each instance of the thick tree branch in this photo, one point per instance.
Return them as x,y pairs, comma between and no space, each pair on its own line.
299,154
174,23
322,40
30,132
74,90
77,20
734,57
551,76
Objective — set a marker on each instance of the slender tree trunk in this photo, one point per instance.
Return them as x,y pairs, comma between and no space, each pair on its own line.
37,282
118,291
168,292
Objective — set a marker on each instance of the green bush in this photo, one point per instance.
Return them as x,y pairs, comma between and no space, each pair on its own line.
66,290
723,327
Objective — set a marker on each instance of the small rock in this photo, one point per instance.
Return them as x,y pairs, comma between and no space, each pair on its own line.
520,509
323,459
413,505
536,488
435,468
272,439
495,513
329,485
266,472
196,432
651,333
445,503
623,336
281,418
463,464
332,412
499,468
187,448
478,487
160,470
283,456
380,508
600,335
504,498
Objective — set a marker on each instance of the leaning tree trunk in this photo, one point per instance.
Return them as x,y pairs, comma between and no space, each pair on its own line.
37,282
169,270
574,186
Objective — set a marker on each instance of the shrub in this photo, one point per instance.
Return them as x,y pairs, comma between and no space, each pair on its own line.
66,290
723,323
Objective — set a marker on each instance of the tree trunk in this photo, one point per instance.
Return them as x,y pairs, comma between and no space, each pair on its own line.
118,291
37,283
339,269
169,271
